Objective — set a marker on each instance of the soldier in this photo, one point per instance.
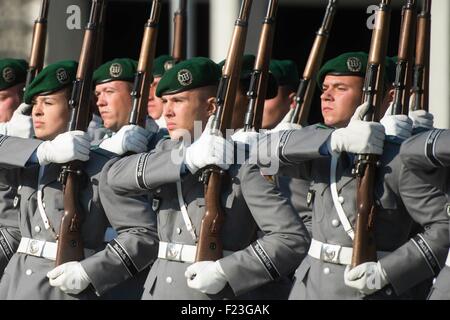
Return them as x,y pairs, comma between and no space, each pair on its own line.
404,262
188,92
427,155
155,107
31,273
12,80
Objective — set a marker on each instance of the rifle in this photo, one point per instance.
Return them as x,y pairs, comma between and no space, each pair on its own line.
209,245
306,87
403,73
260,75
38,44
143,76
364,249
70,246
421,81
179,33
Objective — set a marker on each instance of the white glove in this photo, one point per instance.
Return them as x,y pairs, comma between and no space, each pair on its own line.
209,149
247,137
129,138
20,124
70,277
422,119
397,125
206,276
66,147
359,136
368,277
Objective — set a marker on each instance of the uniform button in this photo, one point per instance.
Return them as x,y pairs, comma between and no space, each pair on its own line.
178,230
169,280
335,222
28,272
43,205
341,199
388,291
37,229
158,190
326,270
19,187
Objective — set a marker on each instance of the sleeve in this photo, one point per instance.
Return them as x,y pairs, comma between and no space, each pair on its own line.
15,152
291,147
285,241
427,150
424,254
9,242
141,172
136,245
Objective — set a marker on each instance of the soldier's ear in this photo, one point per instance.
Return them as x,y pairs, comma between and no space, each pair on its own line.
211,108
292,99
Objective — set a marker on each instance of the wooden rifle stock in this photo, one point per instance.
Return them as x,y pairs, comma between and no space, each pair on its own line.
209,246
179,33
421,79
70,246
306,87
143,76
364,249
403,74
260,75
38,44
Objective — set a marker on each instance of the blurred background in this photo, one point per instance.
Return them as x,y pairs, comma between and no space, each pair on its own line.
209,28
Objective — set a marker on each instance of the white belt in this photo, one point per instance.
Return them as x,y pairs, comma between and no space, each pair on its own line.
334,253
180,252
42,248
447,262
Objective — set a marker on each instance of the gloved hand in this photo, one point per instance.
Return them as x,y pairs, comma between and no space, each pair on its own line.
422,119
128,138
70,277
397,125
359,136
206,276
368,277
209,149
20,125
249,137
68,146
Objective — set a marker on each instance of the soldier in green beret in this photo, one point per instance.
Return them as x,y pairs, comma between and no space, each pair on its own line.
31,272
154,106
12,123
173,168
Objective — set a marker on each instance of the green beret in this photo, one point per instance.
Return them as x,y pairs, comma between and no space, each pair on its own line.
162,64
189,74
248,63
123,69
285,71
54,77
12,72
347,64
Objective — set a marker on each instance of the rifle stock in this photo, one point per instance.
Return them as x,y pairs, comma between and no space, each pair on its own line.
37,53
179,33
421,79
306,88
143,76
364,248
70,245
209,246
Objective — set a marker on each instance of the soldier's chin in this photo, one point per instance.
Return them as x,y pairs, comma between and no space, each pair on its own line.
180,134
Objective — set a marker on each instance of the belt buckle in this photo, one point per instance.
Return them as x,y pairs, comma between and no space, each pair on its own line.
330,253
35,247
173,251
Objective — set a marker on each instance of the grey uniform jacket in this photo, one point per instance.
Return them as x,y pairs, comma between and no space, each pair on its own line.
9,219
250,202
428,154
400,198
25,276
